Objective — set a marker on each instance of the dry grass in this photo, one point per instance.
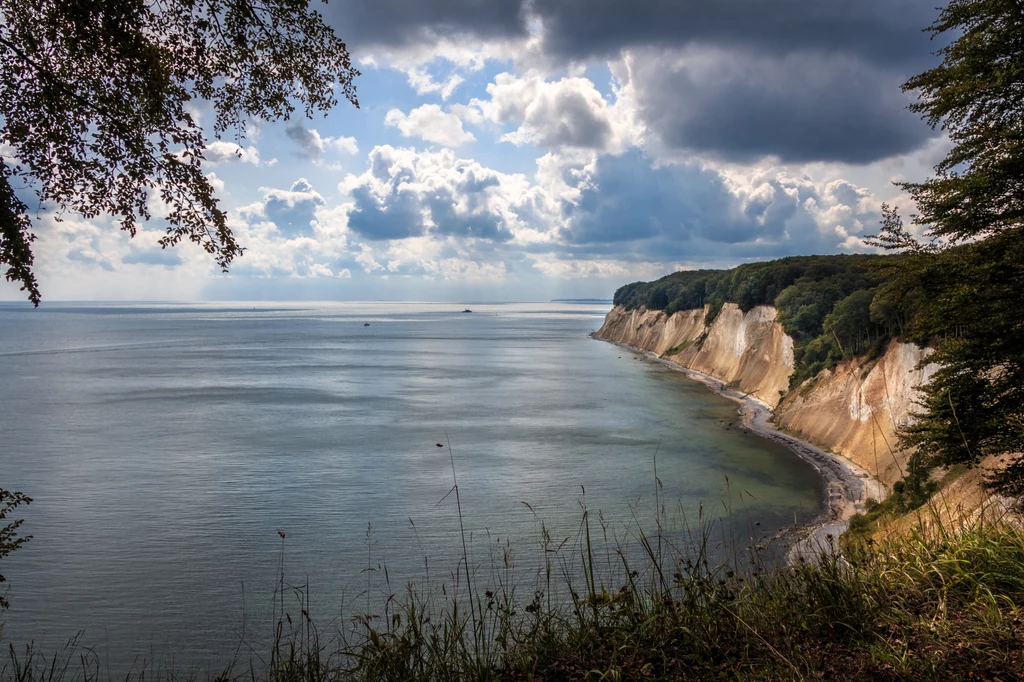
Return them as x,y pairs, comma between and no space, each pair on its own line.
935,605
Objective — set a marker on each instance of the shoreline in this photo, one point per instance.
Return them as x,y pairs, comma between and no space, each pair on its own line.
847,486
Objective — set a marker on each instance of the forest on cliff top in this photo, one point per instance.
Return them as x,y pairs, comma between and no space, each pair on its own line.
962,300
830,305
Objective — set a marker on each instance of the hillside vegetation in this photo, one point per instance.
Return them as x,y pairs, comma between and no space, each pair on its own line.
943,605
829,305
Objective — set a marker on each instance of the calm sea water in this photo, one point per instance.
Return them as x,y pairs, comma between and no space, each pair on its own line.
166,446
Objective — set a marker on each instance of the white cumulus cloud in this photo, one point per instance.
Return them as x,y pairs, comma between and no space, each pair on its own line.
219,151
430,123
565,113
424,84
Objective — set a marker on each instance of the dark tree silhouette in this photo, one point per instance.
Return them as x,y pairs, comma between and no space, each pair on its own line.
9,540
964,288
94,103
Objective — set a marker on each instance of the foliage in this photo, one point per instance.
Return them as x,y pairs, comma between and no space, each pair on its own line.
969,309
9,540
977,96
961,292
1010,481
940,605
824,302
96,95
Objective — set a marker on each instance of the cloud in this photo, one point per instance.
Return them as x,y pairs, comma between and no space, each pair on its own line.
425,215
604,208
407,194
430,123
568,268
566,113
215,182
435,216
291,212
399,22
293,234
741,80
741,106
90,256
220,151
345,145
628,208
424,84
312,146
398,216
879,31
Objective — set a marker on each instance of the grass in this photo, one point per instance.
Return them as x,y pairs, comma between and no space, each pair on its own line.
942,605
675,350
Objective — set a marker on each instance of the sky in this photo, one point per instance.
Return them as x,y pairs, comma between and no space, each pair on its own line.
539,149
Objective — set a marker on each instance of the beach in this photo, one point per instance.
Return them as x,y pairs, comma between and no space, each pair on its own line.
847,486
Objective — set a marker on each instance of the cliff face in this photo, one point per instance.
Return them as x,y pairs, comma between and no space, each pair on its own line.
652,330
856,409
853,410
749,351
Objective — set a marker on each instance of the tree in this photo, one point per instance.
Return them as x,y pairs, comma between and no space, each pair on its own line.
969,308
963,290
95,101
977,96
9,540
849,323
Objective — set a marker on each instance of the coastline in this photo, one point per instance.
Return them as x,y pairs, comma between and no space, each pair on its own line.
847,486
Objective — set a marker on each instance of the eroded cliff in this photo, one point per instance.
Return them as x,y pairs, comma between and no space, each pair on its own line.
652,330
749,351
856,409
853,410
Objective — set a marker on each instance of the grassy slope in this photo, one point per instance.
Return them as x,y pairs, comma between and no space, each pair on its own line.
945,606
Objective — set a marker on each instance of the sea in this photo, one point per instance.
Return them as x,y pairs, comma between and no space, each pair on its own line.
194,467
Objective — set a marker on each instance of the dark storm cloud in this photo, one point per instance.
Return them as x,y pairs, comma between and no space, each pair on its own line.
798,108
401,22
811,80
799,80
884,31
878,30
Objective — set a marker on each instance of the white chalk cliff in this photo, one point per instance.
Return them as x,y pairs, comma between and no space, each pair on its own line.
853,410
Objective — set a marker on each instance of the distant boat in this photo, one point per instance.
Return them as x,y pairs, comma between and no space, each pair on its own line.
366,324
467,310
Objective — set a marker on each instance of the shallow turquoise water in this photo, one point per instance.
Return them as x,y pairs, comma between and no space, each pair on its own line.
166,445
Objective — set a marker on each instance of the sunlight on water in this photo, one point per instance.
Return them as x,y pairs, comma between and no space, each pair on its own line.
165,446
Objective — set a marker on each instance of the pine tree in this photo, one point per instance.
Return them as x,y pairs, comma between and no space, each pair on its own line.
964,289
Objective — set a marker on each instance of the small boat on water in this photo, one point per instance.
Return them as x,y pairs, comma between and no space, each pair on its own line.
366,324
467,310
